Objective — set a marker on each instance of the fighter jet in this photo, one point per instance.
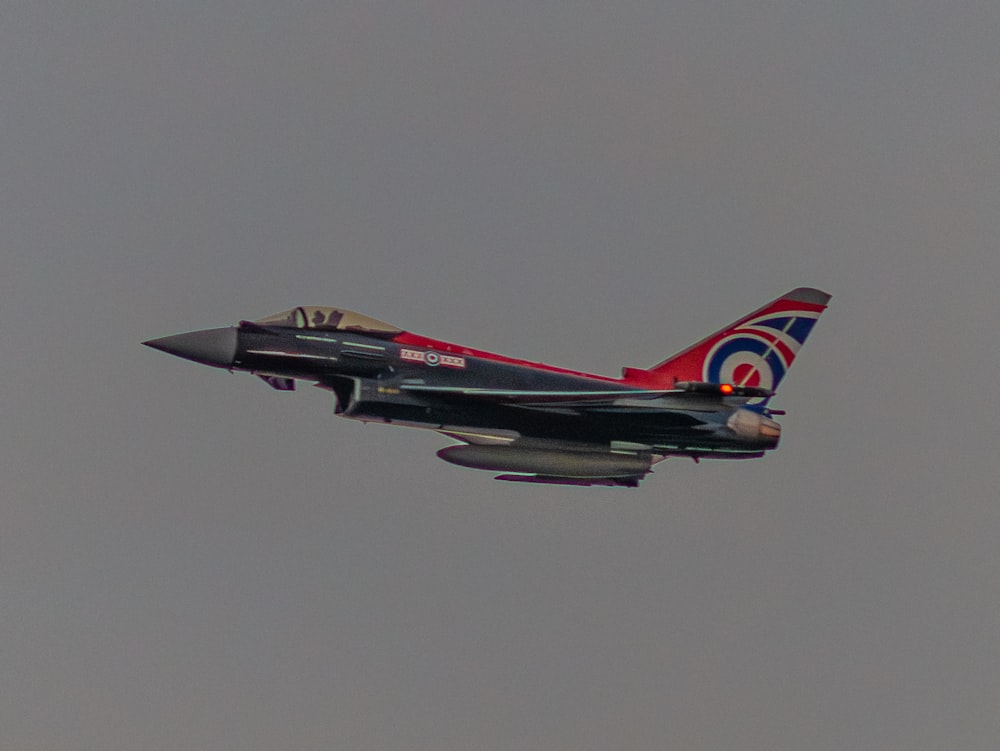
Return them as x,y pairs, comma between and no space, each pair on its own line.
529,421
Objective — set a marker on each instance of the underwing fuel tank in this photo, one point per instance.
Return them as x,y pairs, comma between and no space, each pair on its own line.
553,462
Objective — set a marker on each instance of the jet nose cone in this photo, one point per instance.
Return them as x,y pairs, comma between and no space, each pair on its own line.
215,347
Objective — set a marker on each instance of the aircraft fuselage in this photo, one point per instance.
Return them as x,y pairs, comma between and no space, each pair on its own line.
545,423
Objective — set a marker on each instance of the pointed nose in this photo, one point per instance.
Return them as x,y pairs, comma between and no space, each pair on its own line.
215,347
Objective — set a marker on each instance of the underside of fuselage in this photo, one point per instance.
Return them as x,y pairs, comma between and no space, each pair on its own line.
658,432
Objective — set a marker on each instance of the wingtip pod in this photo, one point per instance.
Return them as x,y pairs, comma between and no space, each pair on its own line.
754,351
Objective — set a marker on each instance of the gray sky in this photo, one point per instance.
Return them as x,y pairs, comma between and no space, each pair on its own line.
189,560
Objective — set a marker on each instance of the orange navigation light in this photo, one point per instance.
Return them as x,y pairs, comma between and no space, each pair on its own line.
726,388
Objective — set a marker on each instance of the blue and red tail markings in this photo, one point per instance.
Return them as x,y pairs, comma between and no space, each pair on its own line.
759,352
756,350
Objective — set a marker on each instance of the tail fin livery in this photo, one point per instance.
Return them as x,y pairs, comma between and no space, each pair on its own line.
756,350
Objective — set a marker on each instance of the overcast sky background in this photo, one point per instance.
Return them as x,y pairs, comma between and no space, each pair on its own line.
190,560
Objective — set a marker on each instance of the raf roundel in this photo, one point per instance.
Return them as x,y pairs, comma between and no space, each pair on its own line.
760,351
744,361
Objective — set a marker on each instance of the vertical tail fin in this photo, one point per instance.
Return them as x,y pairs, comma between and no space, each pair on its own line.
756,350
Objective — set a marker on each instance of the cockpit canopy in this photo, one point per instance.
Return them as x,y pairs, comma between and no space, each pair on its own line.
330,319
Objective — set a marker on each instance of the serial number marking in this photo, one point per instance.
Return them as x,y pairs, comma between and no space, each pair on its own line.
433,359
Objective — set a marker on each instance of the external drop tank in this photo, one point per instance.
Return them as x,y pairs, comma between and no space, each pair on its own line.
553,462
